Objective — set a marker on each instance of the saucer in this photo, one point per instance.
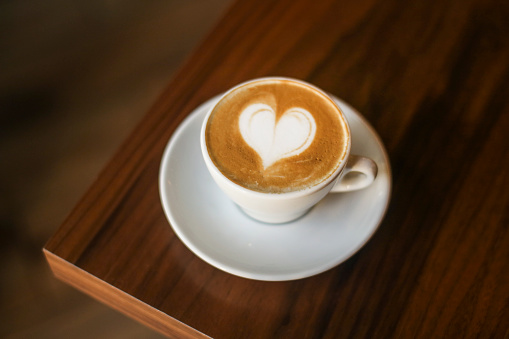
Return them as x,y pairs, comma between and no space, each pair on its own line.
218,232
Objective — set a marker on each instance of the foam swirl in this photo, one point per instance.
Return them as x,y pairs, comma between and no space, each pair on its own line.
274,140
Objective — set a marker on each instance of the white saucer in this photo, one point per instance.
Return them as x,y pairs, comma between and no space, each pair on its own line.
218,232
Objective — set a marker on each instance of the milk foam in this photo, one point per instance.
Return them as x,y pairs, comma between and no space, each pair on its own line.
274,140
276,136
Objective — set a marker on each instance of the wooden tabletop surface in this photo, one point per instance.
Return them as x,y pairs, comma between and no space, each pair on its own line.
432,77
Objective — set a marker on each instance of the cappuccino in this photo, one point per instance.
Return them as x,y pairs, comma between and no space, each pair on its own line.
276,136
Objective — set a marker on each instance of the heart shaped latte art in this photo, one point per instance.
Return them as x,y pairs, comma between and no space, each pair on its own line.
290,135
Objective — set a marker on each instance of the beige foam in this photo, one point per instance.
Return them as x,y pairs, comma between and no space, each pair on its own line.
241,164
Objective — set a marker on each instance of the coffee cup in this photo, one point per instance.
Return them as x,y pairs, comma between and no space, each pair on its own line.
276,146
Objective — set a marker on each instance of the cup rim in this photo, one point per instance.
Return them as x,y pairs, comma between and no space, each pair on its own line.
282,195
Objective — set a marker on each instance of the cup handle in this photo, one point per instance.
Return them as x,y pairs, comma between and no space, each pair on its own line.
359,173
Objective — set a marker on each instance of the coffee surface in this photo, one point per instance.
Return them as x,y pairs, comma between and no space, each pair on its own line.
276,136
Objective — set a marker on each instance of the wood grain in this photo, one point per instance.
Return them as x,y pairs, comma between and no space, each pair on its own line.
433,79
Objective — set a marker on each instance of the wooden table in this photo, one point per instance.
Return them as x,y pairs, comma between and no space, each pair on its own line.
432,77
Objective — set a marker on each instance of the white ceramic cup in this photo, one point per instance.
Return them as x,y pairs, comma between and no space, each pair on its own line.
356,172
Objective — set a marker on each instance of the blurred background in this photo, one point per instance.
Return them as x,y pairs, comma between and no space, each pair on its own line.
75,78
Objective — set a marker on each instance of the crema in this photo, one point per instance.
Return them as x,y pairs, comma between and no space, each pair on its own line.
276,136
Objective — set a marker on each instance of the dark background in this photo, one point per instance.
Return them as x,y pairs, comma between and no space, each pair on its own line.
75,77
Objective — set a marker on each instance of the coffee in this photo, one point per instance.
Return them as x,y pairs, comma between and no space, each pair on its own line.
276,136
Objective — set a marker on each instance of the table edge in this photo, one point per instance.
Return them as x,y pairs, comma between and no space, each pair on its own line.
118,299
